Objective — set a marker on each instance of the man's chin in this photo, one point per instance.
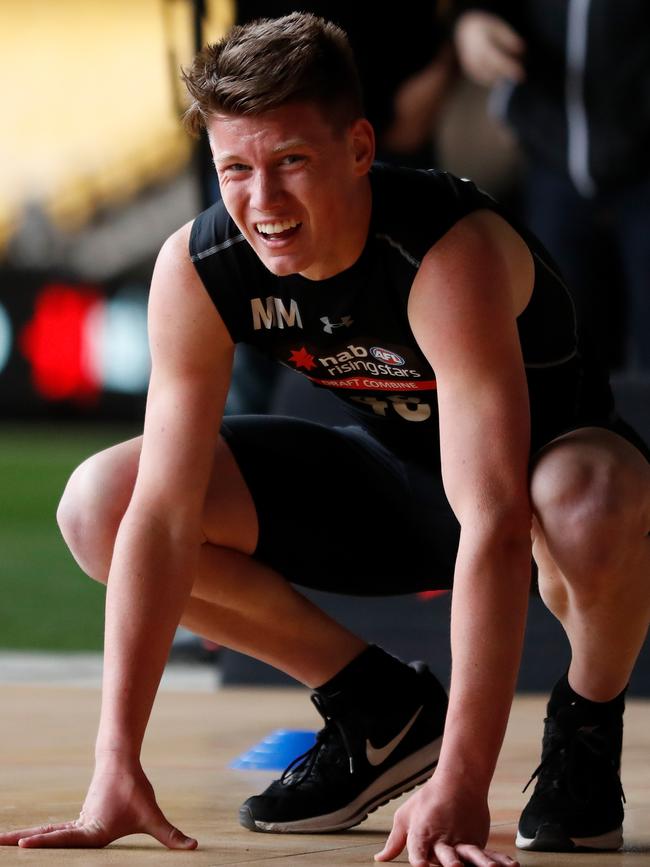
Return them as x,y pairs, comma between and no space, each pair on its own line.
280,266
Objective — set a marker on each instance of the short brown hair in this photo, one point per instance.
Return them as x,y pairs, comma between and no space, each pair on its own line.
271,62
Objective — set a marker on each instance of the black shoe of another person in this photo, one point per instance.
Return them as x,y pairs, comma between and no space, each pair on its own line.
370,751
577,802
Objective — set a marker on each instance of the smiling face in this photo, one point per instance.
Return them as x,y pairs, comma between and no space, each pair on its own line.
297,190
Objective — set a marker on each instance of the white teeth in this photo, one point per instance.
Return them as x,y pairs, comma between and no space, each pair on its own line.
276,228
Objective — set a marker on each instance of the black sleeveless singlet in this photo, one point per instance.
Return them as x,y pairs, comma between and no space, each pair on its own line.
350,333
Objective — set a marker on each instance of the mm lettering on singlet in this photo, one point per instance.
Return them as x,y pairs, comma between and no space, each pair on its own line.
271,313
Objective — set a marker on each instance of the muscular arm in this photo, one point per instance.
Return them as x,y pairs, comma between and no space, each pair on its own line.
463,307
157,546
463,310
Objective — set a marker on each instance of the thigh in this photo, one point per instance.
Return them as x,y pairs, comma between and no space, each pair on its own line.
229,514
573,396
337,511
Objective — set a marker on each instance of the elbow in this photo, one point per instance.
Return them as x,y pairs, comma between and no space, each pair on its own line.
516,547
503,532
511,529
511,545
513,524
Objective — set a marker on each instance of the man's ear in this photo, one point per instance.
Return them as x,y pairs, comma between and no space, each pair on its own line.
362,139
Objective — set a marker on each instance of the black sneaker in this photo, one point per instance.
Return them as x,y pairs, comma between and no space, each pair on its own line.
360,761
577,800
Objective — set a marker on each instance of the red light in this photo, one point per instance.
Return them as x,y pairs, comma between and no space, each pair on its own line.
425,595
53,341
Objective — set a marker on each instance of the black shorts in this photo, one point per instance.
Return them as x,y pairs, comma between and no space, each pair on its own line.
338,511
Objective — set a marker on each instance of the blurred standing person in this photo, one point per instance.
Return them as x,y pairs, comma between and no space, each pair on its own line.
572,79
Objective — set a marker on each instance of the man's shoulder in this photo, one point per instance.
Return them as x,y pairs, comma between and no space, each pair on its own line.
401,181
415,207
394,180
213,231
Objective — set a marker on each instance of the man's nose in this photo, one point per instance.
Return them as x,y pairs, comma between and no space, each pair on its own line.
266,192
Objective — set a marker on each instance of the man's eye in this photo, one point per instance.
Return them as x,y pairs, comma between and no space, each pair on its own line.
292,158
237,167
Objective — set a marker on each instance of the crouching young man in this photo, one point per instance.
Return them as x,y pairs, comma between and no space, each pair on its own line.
477,418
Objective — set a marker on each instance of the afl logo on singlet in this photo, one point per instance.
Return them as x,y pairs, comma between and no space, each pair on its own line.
386,356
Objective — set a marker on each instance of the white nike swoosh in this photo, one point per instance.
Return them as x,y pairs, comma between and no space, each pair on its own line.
376,756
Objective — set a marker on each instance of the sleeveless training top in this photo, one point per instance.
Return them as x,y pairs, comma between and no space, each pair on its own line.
350,333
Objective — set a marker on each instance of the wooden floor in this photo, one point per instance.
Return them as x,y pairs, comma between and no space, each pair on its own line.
46,745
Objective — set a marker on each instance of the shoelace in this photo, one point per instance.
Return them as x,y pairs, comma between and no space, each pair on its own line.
563,746
301,766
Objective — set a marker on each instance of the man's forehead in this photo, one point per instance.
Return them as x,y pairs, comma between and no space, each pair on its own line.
283,128
279,147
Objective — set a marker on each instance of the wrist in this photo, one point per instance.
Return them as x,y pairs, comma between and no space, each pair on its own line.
458,775
117,738
451,785
116,754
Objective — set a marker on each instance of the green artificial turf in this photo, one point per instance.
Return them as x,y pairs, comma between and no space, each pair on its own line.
47,602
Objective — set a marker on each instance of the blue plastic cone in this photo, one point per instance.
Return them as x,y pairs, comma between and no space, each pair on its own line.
275,751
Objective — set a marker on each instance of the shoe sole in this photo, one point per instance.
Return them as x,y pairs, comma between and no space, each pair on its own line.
553,838
401,778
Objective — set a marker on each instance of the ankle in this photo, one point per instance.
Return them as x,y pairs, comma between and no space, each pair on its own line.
564,695
372,670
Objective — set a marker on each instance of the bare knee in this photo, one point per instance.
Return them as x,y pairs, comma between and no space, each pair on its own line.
93,504
592,510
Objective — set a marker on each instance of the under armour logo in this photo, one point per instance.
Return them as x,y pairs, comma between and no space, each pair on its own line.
328,327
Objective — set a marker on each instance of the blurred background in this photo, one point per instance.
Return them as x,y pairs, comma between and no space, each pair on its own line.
95,172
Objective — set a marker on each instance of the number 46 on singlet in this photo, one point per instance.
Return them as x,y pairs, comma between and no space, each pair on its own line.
409,408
